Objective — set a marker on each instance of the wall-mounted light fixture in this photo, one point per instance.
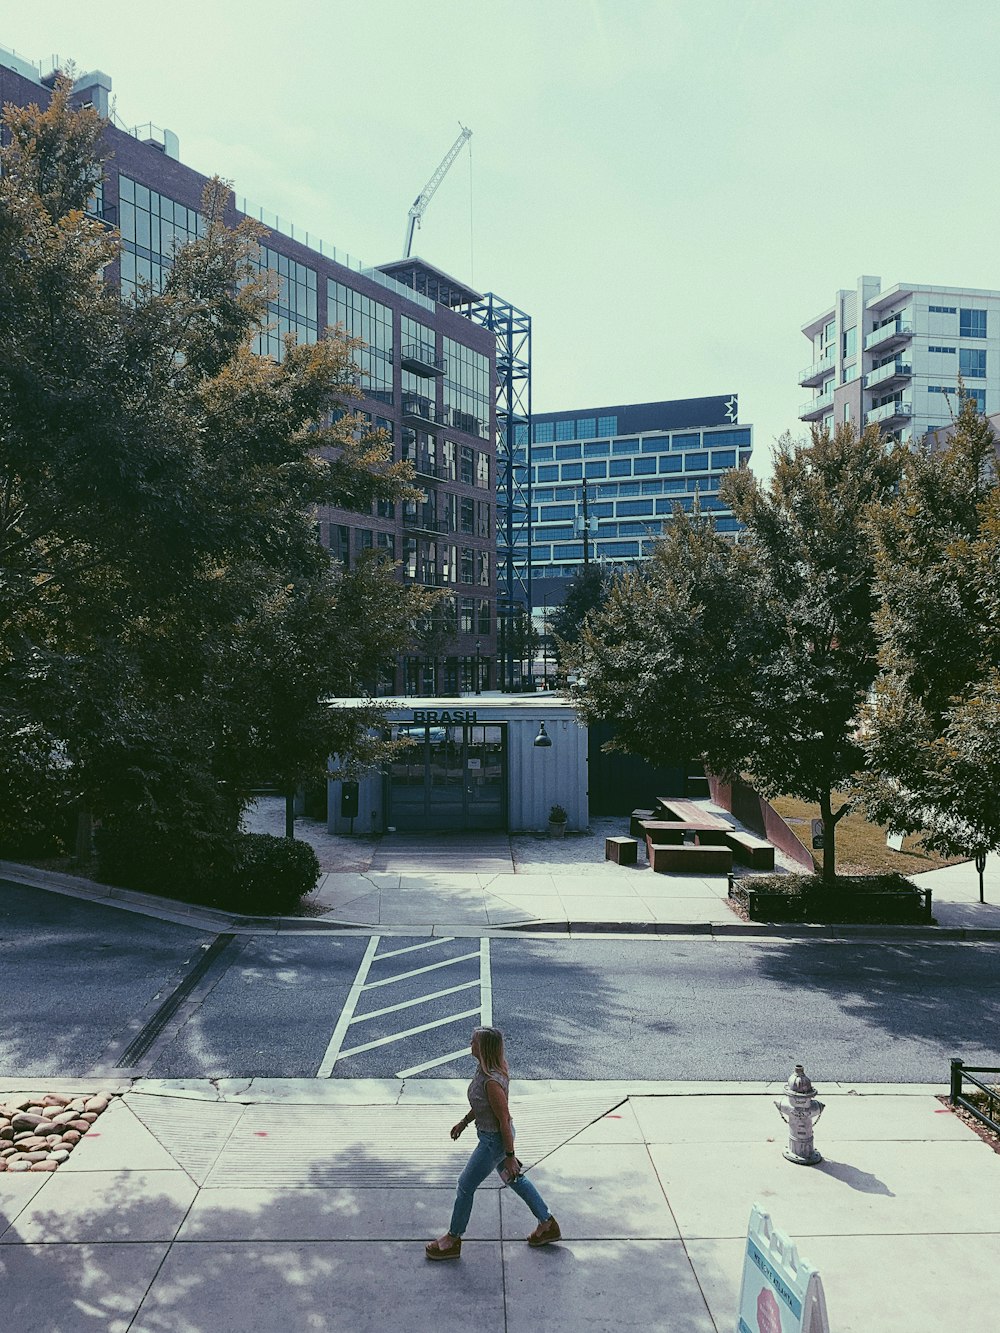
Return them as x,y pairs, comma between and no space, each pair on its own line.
543,740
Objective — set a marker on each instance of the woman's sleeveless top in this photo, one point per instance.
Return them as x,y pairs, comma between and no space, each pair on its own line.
479,1101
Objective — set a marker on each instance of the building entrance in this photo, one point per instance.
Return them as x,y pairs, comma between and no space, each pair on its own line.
450,777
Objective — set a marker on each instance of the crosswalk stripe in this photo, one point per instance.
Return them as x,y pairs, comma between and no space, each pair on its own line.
412,948
433,1064
409,1004
418,971
409,1032
347,1013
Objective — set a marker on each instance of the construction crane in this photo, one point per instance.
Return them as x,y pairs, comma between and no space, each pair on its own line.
427,193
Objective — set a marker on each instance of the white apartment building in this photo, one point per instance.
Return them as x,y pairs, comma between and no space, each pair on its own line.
895,357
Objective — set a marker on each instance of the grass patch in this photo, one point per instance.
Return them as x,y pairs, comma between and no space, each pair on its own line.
861,848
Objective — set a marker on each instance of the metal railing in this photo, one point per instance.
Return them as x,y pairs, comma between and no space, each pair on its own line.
895,328
423,356
889,411
889,371
961,1073
816,405
817,370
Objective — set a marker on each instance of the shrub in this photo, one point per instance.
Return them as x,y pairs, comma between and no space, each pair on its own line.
193,866
270,874
557,815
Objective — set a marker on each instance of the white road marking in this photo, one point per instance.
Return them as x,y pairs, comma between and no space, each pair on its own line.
347,1013
409,1032
412,948
349,1017
421,999
417,971
485,982
433,1064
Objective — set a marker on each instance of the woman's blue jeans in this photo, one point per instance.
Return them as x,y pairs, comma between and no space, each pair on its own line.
487,1156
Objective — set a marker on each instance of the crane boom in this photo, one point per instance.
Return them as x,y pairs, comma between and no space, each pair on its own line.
424,197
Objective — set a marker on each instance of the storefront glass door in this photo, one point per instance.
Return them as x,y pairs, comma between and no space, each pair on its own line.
451,777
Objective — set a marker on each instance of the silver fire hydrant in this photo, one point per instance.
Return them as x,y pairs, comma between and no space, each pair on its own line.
800,1111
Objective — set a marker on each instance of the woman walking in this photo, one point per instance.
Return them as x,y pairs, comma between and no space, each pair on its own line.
495,1149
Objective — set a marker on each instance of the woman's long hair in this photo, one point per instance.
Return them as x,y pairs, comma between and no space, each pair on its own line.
491,1054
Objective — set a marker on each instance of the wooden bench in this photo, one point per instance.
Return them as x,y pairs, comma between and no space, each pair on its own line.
673,808
690,859
623,851
636,818
665,830
757,853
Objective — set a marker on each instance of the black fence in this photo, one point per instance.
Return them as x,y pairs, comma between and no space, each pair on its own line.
989,1112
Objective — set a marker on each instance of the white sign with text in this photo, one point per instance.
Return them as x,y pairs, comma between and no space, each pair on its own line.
780,1292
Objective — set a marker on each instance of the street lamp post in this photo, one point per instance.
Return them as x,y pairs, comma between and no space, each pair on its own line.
479,679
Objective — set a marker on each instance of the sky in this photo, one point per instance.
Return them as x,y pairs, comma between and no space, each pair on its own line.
670,189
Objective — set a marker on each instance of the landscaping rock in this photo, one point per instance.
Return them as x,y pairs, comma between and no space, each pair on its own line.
28,1120
18,1165
44,1166
82,1125
71,1137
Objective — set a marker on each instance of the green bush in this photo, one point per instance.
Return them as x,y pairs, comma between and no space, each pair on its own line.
193,866
271,874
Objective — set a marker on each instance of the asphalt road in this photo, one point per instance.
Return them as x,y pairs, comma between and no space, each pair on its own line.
79,980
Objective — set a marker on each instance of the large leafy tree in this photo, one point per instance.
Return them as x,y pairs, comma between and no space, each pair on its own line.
170,628
933,726
670,655
585,592
806,534
756,656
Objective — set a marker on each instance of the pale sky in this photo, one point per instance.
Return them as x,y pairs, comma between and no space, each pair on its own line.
669,189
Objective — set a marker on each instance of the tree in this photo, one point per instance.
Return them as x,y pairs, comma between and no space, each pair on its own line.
758,655
585,592
932,732
670,656
171,630
807,537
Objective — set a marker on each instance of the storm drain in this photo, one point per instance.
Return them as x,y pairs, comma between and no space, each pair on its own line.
143,1040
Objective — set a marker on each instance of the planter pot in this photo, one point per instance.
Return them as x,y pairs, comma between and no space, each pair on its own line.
557,830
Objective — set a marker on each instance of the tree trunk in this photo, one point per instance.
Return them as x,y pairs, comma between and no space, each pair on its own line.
829,840
84,835
290,815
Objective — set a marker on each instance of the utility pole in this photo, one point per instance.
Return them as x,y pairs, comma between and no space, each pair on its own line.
583,526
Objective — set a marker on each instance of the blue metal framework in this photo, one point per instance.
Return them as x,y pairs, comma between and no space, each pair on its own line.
512,329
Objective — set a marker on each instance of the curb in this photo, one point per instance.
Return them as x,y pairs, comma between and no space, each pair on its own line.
189,914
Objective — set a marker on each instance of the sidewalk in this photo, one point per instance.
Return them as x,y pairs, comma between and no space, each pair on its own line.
232,1207
493,883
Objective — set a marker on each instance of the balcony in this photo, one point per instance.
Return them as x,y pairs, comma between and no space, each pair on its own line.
419,359
424,523
888,374
812,375
427,467
816,406
895,333
421,412
889,414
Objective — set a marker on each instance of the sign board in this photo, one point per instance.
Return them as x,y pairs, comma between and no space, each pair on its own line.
779,1293
894,841
443,715
816,827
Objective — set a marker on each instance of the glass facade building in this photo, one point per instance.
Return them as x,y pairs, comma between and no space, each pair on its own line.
427,375
612,477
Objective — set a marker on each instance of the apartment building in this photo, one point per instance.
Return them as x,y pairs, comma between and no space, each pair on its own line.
895,357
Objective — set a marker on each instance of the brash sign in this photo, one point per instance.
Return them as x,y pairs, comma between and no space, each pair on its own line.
780,1293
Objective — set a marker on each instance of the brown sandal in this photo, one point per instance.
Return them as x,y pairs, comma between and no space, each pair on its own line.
435,1250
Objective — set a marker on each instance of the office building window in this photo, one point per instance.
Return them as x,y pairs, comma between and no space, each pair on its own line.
972,323
586,428
467,565
671,462
978,396
567,451
696,462
467,388
948,351
468,515
687,441
643,466
595,469
543,432
153,227
483,471
483,528
572,471
723,458
466,464
365,318
850,341
972,362
941,310
719,438
484,622
565,430
607,425
550,473
621,467
386,542
625,446
467,615
596,449
483,560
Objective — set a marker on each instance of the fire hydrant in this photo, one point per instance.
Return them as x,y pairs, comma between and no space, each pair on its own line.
800,1111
